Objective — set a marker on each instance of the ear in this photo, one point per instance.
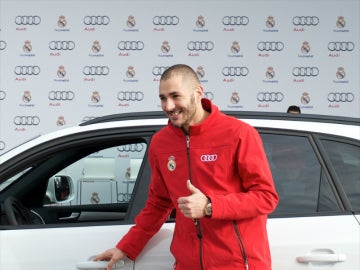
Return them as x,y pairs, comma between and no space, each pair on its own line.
199,92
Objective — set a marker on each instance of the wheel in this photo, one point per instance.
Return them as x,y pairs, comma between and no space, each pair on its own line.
16,213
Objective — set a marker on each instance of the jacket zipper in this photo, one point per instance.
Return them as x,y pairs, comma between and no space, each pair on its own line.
196,221
241,245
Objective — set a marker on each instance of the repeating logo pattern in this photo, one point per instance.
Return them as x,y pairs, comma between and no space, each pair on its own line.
225,36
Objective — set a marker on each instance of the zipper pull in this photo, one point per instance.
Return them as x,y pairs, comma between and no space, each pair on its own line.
187,141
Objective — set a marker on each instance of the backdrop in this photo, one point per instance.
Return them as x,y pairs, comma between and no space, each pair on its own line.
63,62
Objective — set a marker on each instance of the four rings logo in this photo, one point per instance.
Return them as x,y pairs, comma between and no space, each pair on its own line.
305,20
2,95
96,20
305,71
130,96
96,70
340,97
2,45
27,20
2,145
158,70
62,45
270,46
270,96
27,70
235,20
166,20
134,147
341,46
235,71
61,95
131,45
200,45
208,158
26,120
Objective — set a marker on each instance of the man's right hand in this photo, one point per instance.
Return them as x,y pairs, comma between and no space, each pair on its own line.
112,255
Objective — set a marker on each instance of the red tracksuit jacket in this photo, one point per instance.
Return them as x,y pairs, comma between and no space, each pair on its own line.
225,159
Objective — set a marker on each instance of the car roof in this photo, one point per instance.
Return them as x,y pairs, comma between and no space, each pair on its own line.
334,125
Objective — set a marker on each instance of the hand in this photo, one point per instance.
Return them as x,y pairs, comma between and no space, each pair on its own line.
112,255
193,205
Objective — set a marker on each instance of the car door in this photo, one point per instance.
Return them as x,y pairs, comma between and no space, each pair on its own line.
314,226
106,170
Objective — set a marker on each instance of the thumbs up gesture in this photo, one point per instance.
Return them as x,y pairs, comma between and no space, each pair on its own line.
192,206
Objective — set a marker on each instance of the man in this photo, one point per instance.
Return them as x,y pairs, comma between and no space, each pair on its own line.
294,109
213,169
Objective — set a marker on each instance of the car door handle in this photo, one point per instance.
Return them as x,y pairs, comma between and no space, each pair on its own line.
99,265
326,258
72,216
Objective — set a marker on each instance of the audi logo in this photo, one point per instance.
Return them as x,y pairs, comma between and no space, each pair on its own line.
27,20
96,20
235,20
26,120
27,70
96,70
2,145
158,70
305,20
200,45
235,71
2,95
340,97
208,158
62,45
61,95
134,147
166,20
131,45
270,96
305,71
270,46
130,96
2,45
341,46
209,95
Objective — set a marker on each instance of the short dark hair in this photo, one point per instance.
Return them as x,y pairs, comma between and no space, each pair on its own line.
293,108
179,69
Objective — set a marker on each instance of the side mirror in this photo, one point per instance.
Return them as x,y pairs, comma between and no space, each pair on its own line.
60,189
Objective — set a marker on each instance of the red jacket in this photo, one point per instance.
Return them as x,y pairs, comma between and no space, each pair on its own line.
225,159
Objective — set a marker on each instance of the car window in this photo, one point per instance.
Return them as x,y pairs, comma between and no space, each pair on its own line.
299,178
103,177
345,159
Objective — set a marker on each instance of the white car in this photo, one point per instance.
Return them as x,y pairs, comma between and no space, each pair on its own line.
69,195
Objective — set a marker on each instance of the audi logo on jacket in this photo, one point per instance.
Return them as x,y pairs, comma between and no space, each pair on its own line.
225,159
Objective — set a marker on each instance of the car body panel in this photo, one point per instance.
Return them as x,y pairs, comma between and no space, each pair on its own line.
295,237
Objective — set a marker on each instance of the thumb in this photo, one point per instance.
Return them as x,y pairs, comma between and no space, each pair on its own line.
191,187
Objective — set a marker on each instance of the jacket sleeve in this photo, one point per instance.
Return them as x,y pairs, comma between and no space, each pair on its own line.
157,209
258,195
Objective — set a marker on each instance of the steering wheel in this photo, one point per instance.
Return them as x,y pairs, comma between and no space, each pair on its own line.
16,213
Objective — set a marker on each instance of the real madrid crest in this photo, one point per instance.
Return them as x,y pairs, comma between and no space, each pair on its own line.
171,163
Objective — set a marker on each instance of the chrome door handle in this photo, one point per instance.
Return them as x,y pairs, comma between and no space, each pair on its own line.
99,265
327,258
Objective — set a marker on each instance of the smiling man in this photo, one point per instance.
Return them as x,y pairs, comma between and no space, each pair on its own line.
213,170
